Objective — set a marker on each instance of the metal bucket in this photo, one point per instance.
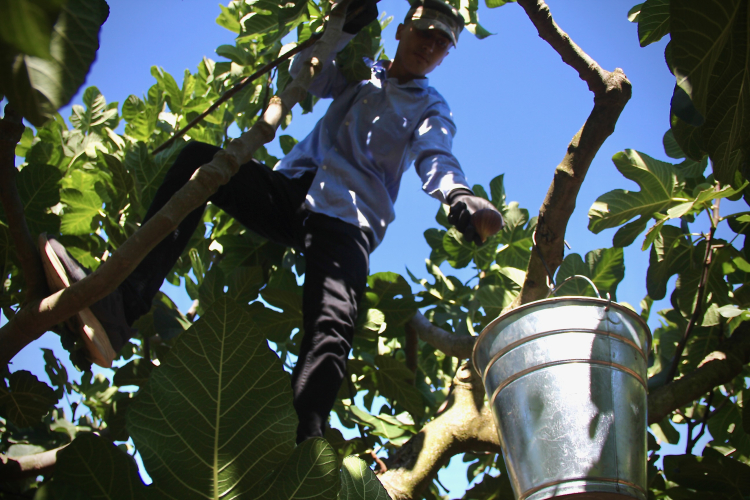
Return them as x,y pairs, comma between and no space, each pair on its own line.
566,379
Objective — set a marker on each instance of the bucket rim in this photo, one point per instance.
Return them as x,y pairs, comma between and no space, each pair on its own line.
577,298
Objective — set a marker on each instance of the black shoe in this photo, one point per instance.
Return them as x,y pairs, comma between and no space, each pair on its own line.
102,326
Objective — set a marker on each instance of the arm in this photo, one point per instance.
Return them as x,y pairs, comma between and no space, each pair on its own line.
432,146
330,82
443,178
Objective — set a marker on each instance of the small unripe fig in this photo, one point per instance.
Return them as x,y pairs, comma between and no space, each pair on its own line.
486,222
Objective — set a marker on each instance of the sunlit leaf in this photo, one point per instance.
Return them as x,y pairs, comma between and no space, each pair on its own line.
216,417
358,482
310,471
659,185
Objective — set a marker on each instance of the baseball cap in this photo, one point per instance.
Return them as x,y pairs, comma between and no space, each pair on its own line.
436,15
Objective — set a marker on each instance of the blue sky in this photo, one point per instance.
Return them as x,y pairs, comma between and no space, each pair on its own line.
515,103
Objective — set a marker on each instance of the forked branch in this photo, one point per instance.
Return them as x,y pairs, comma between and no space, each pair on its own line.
410,471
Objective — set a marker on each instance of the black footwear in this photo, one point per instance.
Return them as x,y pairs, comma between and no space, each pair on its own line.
102,326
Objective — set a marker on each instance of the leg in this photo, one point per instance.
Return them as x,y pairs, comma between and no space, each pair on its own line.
337,261
262,200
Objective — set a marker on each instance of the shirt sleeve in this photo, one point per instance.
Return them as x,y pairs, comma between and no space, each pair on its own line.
432,146
330,82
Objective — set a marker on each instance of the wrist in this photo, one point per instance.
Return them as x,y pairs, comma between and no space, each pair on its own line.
456,193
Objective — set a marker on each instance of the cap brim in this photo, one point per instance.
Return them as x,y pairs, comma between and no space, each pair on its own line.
432,24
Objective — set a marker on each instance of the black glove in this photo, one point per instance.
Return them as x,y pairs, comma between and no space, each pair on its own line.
364,12
463,206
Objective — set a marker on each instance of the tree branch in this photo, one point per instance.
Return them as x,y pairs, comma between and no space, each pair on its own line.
719,367
611,92
11,130
465,425
452,345
40,315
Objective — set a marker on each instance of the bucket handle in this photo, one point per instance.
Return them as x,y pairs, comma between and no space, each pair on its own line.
578,276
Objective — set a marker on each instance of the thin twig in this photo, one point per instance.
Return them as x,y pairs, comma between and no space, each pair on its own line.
381,465
692,441
236,88
698,311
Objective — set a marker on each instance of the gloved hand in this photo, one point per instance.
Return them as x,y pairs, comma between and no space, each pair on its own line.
476,218
364,12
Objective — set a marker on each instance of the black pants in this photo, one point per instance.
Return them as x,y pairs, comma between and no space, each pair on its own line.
337,261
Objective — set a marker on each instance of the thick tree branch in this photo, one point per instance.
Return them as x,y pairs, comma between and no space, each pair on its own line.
611,92
571,54
13,469
465,425
452,345
719,367
11,130
40,315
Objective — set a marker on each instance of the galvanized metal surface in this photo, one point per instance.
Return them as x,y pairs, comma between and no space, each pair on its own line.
566,378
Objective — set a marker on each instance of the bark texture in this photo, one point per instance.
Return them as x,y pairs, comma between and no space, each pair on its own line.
465,425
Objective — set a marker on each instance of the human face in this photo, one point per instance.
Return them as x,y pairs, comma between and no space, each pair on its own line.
418,53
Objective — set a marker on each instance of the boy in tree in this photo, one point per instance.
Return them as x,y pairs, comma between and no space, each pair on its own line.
331,197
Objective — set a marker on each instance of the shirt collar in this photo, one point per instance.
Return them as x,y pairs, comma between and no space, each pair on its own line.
379,70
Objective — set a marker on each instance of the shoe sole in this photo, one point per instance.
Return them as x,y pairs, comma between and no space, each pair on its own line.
98,347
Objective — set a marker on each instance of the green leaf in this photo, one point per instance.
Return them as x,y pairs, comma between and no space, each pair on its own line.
653,21
671,148
659,185
358,482
396,382
168,84
391,294
27,26
711,473
665,431
96,114
605,267
726,427
39,188
383,425
287,142
38,87
228,19
712,65
491,4
25,400
148,170
491,488
670,254
56,372
311,471
136,372
99,470
497,191
81,212
216,417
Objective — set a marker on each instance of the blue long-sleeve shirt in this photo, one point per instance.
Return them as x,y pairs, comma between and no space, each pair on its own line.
369,136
